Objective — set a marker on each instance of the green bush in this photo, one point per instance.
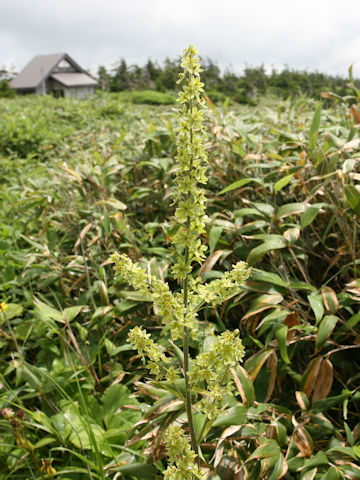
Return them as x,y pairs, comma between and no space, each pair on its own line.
5,90
149,97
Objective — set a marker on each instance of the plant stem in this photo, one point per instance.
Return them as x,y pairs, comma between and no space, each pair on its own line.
188,402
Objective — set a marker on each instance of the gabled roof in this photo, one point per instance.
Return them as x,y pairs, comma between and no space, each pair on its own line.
41,67
70,79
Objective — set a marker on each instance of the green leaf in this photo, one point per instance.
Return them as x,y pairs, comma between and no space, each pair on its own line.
239,183
247,212
353,198
83,433
353,320
274,242
295,464
233,416
34,376
44,442
11,310
349,434
138,470
46,312
258,275
246,386
281,335
342,453
269,449
115,204
319,459
356,450
114,397
290,209
310,214
199,420
107,223
83,458
309,474
282,182
326,327
113,350
329,402
278,469
331,474
71,312
314,127
316,303
302,286
214,235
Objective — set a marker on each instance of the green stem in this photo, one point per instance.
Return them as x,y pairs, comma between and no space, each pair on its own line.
188,402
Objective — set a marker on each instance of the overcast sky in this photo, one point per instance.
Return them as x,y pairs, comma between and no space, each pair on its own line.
322,35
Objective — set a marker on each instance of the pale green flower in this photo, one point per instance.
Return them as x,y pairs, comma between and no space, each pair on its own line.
208,374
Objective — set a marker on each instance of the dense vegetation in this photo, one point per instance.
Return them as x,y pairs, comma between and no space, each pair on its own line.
81,179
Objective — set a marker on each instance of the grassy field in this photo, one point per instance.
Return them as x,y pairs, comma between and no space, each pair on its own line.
79,180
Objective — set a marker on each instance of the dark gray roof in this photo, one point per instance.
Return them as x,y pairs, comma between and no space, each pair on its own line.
41,67
37,70
70,79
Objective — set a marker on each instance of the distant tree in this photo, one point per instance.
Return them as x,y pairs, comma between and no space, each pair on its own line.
151,73
255,81
103,78
169,75
137,78
211,75
6,74
230,82
120,80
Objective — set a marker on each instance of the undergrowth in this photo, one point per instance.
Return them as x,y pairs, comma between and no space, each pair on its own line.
82,179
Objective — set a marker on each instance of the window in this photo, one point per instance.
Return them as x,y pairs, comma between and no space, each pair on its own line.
64,66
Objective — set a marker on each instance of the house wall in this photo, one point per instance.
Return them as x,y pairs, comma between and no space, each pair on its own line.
57,89
54,87
79,92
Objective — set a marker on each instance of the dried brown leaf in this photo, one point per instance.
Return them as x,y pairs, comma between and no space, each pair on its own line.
302,441
271,365
292,319
82,235
324,381
254,156
355,114
269,302
72,173
300,400
261,362
311,374
218,455
352,145
239,384
330,299
211,261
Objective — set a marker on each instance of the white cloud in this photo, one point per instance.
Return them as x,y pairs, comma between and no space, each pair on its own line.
314,34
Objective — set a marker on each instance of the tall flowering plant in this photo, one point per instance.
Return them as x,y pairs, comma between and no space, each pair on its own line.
207,379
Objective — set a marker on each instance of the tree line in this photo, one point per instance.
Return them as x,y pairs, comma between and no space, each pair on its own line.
246,87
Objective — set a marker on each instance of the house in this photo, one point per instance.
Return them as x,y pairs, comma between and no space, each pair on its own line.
57,74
